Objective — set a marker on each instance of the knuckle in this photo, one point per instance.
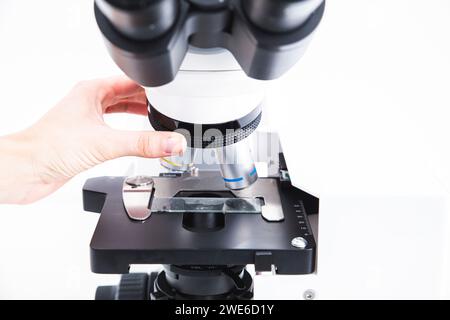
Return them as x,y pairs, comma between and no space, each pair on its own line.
91,89
143,146
81,85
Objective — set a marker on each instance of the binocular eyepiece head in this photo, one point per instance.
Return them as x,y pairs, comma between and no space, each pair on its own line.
149,19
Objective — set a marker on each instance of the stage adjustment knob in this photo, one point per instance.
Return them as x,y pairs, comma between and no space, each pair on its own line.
106,293
133,286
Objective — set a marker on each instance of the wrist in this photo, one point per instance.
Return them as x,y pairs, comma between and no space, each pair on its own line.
17,169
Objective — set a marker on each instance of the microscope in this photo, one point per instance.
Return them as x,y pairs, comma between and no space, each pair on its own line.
227,203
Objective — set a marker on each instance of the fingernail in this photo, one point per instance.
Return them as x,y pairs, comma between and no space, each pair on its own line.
174,146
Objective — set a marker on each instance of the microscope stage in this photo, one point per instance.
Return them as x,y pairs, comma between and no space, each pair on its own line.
287,246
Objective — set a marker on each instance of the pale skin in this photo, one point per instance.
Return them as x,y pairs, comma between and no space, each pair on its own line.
73,137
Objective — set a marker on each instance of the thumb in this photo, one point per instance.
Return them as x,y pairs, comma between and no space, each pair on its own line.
147,144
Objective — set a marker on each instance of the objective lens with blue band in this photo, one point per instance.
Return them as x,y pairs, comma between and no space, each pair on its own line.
233,180
251,174
237,166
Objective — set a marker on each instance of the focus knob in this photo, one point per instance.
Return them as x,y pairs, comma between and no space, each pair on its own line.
133,286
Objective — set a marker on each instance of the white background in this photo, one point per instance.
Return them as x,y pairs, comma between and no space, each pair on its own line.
364,119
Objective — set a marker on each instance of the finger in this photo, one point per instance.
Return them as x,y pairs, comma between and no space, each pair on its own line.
147,144
128,107
120,86
109,91
138,96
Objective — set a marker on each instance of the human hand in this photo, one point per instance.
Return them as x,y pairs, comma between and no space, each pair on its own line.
73,137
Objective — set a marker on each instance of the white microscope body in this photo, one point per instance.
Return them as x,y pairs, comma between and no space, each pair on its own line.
370,242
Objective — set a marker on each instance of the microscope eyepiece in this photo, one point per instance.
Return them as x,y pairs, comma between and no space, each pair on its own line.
279,15
140,19
149,39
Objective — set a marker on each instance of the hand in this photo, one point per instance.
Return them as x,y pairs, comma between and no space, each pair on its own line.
73,137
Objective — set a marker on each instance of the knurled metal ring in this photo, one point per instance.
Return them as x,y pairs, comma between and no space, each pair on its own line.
208,135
